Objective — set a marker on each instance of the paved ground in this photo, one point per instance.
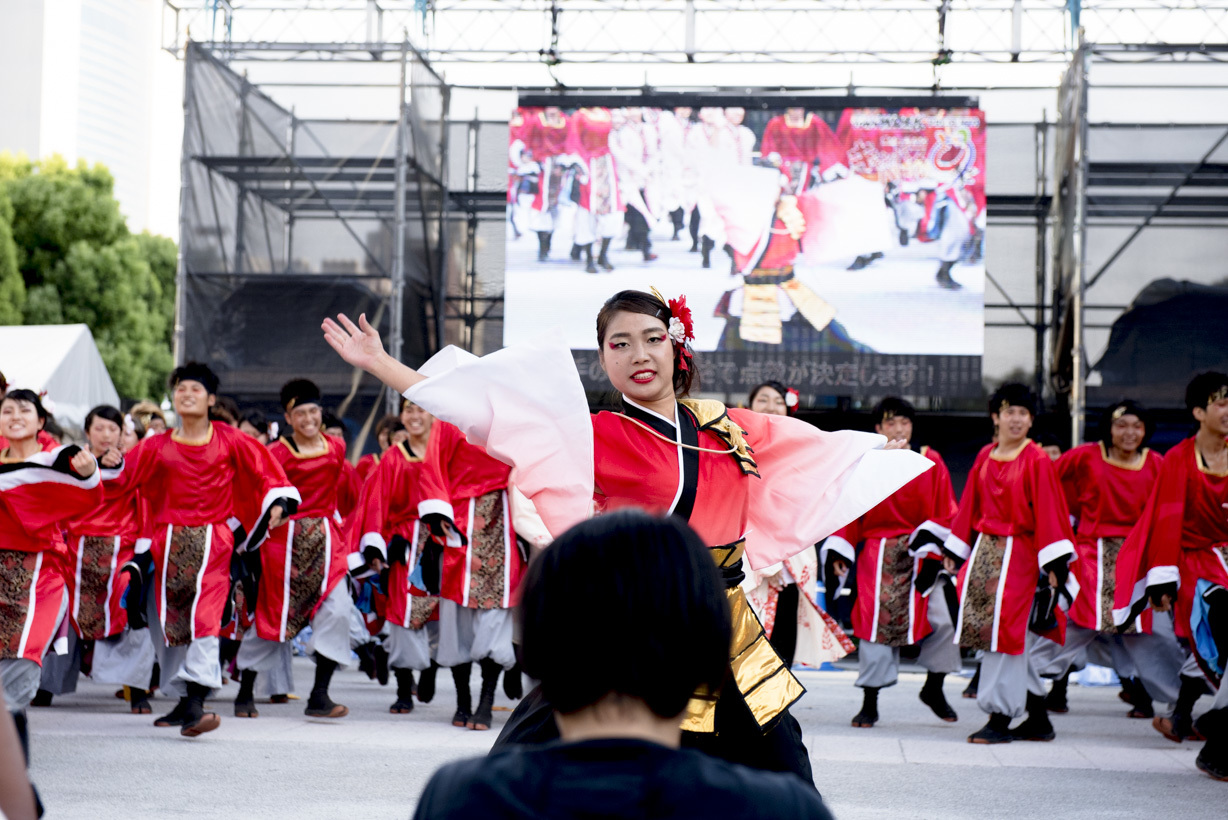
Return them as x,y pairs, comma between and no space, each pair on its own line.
93,760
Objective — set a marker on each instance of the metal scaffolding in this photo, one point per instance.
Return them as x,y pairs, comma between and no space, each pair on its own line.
696,31
1164,178
286,219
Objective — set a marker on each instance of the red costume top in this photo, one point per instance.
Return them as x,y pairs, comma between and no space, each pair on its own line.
35,495
456,476
1178,539
366,466
193,484
312,549
1106,498
544,137
590,141
808,142
228,476
1017,497
925,504
390,508
95,585
120,512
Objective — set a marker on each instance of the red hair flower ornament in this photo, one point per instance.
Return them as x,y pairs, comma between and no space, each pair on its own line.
681,328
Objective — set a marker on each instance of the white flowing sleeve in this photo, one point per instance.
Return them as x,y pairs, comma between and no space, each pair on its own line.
525,405
814,482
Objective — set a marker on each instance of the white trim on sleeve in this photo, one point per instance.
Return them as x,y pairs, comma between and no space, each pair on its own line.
434,506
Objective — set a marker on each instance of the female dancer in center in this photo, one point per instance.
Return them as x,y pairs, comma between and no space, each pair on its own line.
765,487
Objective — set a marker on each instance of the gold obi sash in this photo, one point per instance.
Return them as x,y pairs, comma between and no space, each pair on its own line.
761,311
761,677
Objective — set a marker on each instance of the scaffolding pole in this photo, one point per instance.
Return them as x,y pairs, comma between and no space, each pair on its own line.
396,297
1078,381
181,271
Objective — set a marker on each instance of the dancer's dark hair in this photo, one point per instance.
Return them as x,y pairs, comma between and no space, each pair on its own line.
105,412
1013,394
1206,388
660,625
195,372
892,406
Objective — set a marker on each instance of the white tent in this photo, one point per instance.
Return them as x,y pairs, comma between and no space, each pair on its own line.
62,360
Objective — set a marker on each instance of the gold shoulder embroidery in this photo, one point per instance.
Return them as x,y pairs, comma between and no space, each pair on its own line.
713,418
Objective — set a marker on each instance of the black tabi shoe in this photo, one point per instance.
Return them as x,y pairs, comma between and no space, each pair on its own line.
944,277
1177,728
41,698
932,696
1055,701
865,260
1140,700
366,659
1213,760
174,717
483,717
245,701
1181,725
970,691
319,704
513,685
381,665
404,704
196,721
576,252
868,715
138,702
464,698
997,730
425,691
1037,726
1213,725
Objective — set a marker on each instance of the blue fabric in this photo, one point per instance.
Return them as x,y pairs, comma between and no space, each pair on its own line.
1204,644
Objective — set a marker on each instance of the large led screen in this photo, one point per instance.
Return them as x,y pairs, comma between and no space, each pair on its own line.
837,248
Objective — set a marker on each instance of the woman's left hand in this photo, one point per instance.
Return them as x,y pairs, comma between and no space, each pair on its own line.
83,464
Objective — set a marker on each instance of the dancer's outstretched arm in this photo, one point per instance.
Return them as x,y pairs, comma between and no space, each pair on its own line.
360,345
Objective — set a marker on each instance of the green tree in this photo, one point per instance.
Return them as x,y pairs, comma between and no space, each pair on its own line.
12,288
78,262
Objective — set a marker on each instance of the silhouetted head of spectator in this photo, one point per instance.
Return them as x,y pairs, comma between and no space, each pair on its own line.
664,625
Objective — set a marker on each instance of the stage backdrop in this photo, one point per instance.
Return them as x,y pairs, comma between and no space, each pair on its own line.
834,244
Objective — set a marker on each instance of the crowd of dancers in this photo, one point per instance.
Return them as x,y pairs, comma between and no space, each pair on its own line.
597,174
160,558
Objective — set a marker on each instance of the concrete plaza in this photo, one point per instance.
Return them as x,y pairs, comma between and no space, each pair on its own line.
92,759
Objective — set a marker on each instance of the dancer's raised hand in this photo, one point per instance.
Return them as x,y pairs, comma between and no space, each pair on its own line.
360,345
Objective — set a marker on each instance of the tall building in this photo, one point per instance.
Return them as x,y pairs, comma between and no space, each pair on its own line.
86,79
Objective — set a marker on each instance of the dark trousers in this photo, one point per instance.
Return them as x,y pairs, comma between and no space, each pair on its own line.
637,229
784,630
